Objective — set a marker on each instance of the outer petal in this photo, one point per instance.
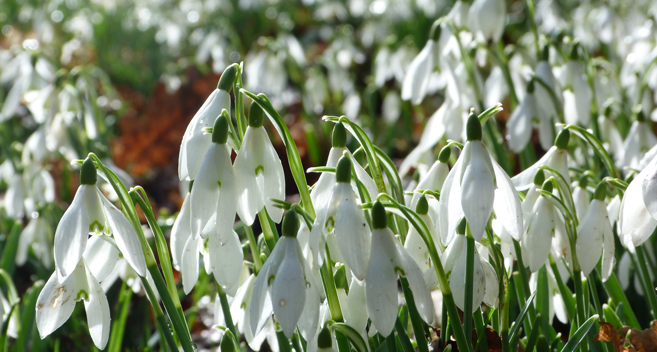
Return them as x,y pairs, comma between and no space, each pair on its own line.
25,240
98,313
260,307
274,185
309,317
491,297
421,293
190,263
416,80
635,220
451,211
101,257
649,188
126,237
525,179
477,189
538,237
356,314
508,208
205,192
288,292
519,126
381,287
250,200
225,257
608,259
55,304
457,282
182,229
590,235
352,232
72,233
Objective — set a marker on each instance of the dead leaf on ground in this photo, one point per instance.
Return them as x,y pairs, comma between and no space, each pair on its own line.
637,341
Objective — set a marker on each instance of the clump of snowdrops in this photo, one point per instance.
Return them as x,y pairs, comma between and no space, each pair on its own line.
365,261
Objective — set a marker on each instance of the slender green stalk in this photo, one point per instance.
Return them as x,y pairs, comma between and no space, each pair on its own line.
225,308
253,245
271,237
648,287
469,273
524,276
404,340
160,318
480,325
416,320
615,291
118,325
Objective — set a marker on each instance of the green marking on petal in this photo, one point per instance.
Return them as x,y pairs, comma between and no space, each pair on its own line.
82,294
219,182
96,227
400,271
270,279
259,169
205,243
330,224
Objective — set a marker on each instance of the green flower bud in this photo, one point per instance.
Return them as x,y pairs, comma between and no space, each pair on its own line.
220,130
324,340
583,181
227,78
562,139
290,226
542,344
422,207
460,229
339,136
436,29
539,178
473,128
379,217
340,277
88,174
600,191
256,115
227,344
445,154
343,170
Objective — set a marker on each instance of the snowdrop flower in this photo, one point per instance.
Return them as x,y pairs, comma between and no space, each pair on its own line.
543,99
609,135
581,198
259,172
213,196
595,236
194,143
37,235
388,258
556,158
487,18
638,212
539,229
577,95
14,201
639,140
58,297
343,216
286,279
181,230
475,187
519,126
416,80
91,212
416,247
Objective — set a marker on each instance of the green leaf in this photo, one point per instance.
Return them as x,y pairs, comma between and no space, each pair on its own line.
27,315
579,335
9,253
514,335
351,334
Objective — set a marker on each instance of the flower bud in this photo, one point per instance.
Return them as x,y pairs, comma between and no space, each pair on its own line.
343,170
379,218
422,207
227,344
444,155
256,115
473,128
539,178
460,229
340,277
88,175
290,225
339,136
227,78
220,129
548,186
324,340
600,191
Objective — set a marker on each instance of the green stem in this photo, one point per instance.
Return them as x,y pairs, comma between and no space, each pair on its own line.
160,319
271,237
416,320
648,287
523,277
469,273
255,253
225,308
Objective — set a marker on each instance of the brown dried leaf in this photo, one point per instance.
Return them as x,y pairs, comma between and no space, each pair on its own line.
639,340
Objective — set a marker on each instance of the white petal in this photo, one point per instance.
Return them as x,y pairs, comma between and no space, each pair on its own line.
260,307
101,257
421,293
525,179
451,211
649,188
537,239
288,293
309,316
190,263
182,229
274,185
355,313
581,200
351,231
608,259
72,233
636,223
381,286
205,192
590,235
98,313
126,237
416,80
491,297
519,126
477,189
250,200
508,208
364,177
457,282
225,257
55,304
25,240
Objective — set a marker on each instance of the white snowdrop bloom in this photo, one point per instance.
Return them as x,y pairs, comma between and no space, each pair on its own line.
286,286
638,209
57,137
610,136
37,235
181,231
194,142
519,125
91,212
258,171
14,201
416,80
556,158
539,229
639,140
581,199
595,237
488,18
459,13
35,149
495,87
557,305
58,297
543,98
416,247
342,216
388,258
455,260
475,187
577,94
213,196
